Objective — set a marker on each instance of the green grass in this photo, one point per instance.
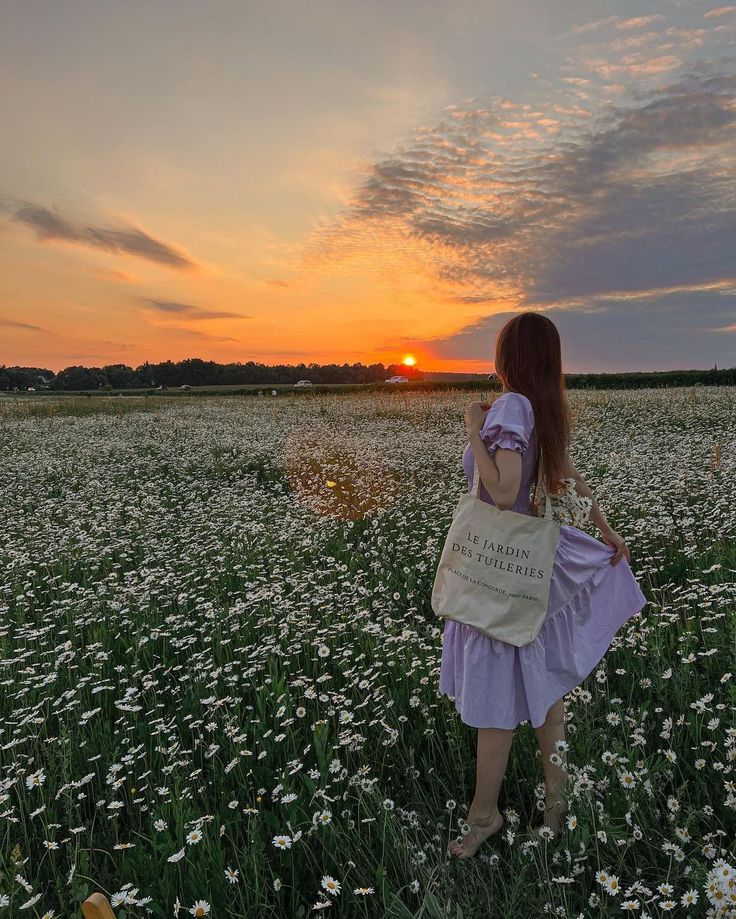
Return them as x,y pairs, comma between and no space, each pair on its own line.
192,617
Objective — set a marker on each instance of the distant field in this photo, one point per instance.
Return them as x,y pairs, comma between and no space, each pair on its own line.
219,663
252,389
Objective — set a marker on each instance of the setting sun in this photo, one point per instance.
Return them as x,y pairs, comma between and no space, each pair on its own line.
409,360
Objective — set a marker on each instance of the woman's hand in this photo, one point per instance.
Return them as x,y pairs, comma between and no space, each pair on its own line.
612,538
475,415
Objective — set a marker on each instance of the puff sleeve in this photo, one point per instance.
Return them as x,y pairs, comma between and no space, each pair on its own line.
508,423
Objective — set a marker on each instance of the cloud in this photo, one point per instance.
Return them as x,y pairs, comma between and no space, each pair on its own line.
622,216
676,329
12,324
49,225
119,277
194,333
172,307
719,11
639,22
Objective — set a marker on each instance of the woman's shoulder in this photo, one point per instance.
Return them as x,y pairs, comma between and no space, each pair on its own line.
511,411
512,396
514,402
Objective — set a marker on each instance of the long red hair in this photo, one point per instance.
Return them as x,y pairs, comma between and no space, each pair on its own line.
529,361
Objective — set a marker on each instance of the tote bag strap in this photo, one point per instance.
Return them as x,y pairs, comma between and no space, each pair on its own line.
475,488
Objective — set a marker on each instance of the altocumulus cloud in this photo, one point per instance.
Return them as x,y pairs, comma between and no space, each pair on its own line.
186,310
49,225
24,326
617,217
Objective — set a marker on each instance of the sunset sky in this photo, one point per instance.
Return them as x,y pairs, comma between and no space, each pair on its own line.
356,181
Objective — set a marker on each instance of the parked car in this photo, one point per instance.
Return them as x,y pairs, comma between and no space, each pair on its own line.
303,383
397,380
185,386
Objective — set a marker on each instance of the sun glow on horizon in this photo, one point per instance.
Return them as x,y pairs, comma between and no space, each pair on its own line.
409,360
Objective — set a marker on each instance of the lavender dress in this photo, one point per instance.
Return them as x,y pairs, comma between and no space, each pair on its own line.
496,684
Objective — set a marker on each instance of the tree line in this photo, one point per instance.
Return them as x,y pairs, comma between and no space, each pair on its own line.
197,372
194,372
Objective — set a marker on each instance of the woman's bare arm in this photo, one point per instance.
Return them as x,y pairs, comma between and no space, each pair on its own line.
500,473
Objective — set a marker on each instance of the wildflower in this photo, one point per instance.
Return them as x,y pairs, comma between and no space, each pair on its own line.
200,908
177,856
611,885
277,885
282,842
231,875
690,897
331,885
194,837
35,780
363,891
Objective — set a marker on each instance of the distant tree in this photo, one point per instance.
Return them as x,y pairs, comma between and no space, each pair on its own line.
77,378
197,372
163,374
23,377
120,376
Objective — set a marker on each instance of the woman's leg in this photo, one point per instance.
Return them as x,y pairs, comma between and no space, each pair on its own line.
555,774
484,817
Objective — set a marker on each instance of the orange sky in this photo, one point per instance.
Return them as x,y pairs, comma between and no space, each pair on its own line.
357,182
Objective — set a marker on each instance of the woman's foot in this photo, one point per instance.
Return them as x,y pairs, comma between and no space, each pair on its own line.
555,808
480,829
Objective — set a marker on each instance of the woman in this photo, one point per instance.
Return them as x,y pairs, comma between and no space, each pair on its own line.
496,685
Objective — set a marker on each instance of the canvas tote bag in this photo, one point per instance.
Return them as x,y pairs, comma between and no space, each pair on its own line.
495,568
